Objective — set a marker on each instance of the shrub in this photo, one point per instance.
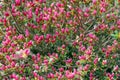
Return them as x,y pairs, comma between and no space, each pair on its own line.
60,39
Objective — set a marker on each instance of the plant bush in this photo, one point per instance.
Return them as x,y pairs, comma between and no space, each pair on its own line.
59,40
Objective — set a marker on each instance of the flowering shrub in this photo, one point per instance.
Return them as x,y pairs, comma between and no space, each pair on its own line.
59,39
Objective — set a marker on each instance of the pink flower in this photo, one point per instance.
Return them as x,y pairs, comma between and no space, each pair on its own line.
30,43
82,57
27,33
46,61
82,48
102,9
104,62
6,14
46,18
118,22
8,58
86,67
88,52
91,76
36,37
69,61
110,76
86,14
35,74
17,2
0,6
40,78
27,51
23,53
30,15
44,27
61,69
13,64
36,11
94,1
23,78
69,75
91,35
36,67
63,46
118,26
96,60
51,75
116,68
14,76
38,55
108,15
10,49
94,12
20,37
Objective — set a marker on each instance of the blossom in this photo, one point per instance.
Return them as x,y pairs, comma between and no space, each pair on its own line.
69,75
17,2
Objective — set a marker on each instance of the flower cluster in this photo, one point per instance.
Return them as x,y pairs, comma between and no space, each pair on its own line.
59,39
